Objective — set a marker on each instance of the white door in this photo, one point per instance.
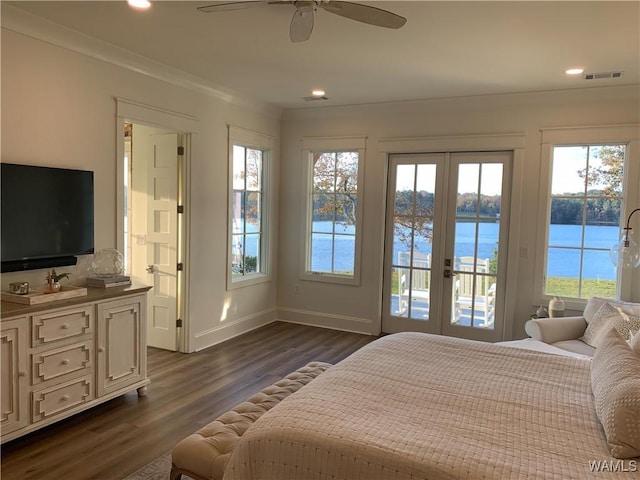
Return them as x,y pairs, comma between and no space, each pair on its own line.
154,228
413,243
445,269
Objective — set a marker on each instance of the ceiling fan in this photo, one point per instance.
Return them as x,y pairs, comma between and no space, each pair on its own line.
302,22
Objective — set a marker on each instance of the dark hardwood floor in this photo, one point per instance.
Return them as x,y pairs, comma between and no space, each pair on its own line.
186,392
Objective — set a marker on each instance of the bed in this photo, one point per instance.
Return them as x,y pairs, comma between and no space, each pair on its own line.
419,406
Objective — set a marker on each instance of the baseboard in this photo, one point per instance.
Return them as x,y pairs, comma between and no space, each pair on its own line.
229,330
327,320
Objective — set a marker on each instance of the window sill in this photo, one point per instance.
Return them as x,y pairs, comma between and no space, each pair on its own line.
248,280
330,278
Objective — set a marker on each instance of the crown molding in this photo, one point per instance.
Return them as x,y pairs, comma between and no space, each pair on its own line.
24,23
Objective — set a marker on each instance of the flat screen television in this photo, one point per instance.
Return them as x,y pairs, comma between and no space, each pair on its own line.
47,216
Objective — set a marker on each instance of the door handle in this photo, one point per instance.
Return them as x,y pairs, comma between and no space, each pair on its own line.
151,269
449,274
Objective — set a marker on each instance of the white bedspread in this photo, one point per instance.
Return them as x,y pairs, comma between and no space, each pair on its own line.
537,345
417,406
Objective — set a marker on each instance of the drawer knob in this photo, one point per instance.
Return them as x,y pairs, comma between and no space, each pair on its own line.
65,326
65,362
101,349
65,398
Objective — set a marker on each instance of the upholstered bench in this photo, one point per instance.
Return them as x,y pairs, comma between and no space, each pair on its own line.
204,454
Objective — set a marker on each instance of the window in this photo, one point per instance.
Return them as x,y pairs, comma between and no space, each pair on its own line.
589,194
333,209
248,204
584,219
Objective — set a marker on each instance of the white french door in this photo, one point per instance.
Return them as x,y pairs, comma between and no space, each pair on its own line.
446,245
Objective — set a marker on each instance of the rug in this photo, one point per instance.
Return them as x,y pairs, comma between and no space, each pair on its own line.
158,469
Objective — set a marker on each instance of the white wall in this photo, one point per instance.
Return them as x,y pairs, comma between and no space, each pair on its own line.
357,308
59,109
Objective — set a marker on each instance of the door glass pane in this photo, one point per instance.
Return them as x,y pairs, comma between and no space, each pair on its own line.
467,203
476,241
425,190
405,181
412,240
420,280
490,190
402,241
400,292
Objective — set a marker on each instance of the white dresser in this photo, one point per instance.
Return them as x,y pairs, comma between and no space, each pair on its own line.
63,357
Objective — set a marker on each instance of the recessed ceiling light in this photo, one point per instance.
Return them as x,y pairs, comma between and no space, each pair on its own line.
140,4
318,93
574,71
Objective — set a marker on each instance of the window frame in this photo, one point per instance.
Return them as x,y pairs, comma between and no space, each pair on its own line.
628,135
257,141
315,145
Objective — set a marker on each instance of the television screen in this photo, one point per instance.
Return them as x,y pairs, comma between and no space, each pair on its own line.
47,213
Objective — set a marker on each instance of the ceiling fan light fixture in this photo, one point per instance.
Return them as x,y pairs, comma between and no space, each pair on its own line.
318,92
139,4
574,71
301,24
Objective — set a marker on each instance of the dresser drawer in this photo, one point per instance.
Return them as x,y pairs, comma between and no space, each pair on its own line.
63,324
49,402
62,362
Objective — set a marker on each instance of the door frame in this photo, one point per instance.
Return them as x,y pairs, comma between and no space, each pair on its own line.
134,112
513,142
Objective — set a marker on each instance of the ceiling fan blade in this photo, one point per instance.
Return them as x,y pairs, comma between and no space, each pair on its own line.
301,25
364,13
227,6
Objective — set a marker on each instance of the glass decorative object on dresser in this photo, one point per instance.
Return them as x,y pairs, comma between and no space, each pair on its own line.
107,268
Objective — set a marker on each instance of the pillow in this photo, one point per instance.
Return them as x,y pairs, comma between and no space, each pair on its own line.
634,343
615,382
606,317
631,324
594,304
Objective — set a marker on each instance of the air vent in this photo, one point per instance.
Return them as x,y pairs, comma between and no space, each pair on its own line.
601,76
313,98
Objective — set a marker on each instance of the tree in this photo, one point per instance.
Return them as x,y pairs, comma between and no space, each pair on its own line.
406,221
335,182
609,173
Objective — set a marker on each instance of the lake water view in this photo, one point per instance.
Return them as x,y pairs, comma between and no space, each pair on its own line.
561,262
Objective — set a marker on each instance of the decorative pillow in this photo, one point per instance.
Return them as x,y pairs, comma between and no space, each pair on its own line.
634,342
594,304
631,324
615,382
606,317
